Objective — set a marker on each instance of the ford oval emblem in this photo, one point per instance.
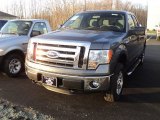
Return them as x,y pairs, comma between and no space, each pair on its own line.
52,54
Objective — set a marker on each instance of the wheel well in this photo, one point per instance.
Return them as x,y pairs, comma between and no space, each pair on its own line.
19,52
123,59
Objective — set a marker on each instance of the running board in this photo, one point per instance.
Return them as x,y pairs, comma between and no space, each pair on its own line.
132,70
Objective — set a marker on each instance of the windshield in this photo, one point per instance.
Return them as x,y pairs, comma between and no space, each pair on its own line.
2,23
97,21
17,27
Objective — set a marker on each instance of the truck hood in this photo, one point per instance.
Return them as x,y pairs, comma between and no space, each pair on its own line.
83,35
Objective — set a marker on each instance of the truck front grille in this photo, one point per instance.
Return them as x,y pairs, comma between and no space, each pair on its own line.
69,56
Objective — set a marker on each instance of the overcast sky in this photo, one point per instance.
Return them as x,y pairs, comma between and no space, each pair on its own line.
153,13
8,3
143,2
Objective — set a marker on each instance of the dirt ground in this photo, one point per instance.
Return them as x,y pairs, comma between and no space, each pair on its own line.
140,100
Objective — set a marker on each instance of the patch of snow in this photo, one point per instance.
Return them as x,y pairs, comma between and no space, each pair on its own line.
9,111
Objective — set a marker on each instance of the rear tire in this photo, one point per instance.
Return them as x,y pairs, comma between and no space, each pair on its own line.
13,65
116,85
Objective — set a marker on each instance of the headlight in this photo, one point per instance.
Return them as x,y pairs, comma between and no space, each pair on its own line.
97,57
31,50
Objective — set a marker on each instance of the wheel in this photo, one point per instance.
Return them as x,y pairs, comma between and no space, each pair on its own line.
116,85
13,65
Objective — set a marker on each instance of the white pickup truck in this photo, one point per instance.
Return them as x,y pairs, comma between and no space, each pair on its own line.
14,37
158,33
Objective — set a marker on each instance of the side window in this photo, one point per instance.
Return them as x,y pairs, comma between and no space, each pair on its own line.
40,27
135,21
131,22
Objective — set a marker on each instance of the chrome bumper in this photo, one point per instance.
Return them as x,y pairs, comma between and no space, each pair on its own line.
74,83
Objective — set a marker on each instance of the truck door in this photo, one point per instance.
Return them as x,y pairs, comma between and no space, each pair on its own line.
141,38
132,42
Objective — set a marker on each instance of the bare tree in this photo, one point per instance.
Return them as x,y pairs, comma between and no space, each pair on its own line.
57,11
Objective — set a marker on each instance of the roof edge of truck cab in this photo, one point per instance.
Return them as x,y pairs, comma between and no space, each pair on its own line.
100,11
33,20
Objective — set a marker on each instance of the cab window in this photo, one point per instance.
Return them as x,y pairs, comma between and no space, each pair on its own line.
131,22
135,21
40,27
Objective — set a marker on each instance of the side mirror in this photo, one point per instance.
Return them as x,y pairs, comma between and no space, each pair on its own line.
35,33
137,31
59,26
140,25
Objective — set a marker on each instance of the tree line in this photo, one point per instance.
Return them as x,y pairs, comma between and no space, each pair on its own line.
57,11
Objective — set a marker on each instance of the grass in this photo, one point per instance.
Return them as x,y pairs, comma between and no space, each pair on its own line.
151,32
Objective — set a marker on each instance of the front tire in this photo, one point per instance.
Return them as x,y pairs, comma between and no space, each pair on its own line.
116,85
13,65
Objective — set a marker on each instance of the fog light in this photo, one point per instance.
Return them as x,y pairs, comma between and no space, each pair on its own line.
94,84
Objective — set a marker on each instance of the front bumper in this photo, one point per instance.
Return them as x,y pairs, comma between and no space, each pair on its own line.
68,84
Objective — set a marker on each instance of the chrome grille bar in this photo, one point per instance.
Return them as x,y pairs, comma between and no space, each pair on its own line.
68,55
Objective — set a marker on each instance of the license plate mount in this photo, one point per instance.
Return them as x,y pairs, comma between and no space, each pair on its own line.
51,81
